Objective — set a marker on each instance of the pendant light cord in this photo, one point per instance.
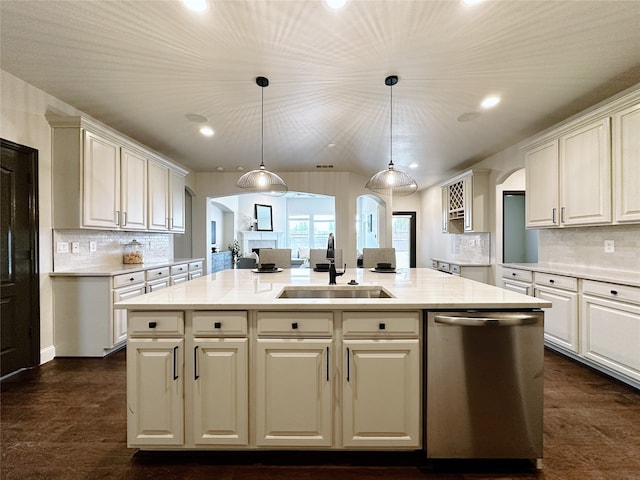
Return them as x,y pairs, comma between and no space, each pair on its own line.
262,128
391,128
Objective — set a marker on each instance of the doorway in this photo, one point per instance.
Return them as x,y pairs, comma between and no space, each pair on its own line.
19,286
519,245
403,238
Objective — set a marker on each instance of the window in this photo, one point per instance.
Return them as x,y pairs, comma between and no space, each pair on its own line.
309,231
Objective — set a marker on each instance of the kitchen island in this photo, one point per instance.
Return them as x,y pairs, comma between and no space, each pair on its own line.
224,363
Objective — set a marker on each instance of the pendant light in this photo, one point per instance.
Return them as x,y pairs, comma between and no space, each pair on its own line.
392,181
262,180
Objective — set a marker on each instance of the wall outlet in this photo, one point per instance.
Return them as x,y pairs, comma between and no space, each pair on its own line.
93,247
62,247
75,247
609,246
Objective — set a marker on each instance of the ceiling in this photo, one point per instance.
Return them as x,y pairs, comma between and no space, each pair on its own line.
141,66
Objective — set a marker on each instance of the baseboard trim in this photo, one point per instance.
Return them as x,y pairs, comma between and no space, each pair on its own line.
47,354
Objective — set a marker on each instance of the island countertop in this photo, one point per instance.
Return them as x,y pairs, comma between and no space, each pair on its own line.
416,288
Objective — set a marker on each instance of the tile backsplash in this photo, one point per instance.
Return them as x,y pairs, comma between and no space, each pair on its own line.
470,248
158,247
585,247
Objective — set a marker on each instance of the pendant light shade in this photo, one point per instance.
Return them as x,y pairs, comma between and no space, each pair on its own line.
391,181
262,180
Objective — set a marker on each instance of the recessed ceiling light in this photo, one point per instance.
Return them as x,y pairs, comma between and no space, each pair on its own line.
240,168
331,145
490,101
471,2
196,5
413,165
207,131
335,4
220,169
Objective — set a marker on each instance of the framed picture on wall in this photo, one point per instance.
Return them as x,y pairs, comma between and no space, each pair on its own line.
264,218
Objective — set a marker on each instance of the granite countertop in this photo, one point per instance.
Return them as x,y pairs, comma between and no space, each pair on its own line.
462,264
417,288
117,269
588,273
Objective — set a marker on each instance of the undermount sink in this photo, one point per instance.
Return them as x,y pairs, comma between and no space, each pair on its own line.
341,291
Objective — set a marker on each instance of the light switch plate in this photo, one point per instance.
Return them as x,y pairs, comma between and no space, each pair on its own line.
93,247
62,247
75,247
609,246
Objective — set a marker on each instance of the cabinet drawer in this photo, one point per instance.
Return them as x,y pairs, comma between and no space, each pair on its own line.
455,269
221,323
444,266
179,279
612,291
557,281
515,274
434,264
388,324
156,324
179,269
128,279
195,266
297,324
156,273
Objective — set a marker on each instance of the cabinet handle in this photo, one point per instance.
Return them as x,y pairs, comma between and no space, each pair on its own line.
327,364
131,279
381,326
348,366
159,273
217,324
513,274
294,325
614,292
171,223
124,219
167,223
117,217
551,281
195,363
553,218
153,324
562,215
175,362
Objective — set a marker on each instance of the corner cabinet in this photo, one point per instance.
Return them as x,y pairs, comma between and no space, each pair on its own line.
569,179
101,179
465,203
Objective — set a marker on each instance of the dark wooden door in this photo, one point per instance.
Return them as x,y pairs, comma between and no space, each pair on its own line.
19,286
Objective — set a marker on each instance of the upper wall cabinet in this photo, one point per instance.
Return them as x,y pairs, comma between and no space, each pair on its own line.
465,203
166,199
569,170
101,179
626,164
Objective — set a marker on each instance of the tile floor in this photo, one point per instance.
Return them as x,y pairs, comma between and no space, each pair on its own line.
67,421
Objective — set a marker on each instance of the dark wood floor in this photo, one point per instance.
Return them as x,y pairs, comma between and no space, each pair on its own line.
67,420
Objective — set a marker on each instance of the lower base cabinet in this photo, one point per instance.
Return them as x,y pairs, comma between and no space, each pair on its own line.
561,320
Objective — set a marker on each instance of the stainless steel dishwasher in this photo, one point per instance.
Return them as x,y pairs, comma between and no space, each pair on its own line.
484,385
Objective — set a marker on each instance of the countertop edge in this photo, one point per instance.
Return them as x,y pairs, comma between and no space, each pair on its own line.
114,269
618,276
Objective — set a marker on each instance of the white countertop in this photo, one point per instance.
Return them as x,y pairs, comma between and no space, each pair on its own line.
422,288
598,274
117,269
461,264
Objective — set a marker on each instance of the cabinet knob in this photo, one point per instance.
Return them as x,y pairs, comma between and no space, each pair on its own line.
217,324
382,326
551,281
514,274
614,292
159,273
153,324
294,325
131,279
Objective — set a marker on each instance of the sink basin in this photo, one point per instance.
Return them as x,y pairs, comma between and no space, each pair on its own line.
335,292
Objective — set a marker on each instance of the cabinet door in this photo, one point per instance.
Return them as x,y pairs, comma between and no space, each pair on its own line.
119,331
610,334
381,393
467,183
220,392
158,196
101,182
541,163
155,392
561,320
445,209
133,191
176,194
293,392
626,164
585,175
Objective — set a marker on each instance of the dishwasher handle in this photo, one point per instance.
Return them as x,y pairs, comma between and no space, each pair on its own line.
497,320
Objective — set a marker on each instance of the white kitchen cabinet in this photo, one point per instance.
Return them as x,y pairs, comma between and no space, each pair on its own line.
465,200
133,190
294,384
585,174
176,202
179,273
541,164
195,269
219,393
610,335
381,379
517,280
166,199
155,379
626,164
119,314
561,320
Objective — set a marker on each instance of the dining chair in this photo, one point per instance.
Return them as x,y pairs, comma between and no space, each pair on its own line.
372,256
280,256
246,262
319,255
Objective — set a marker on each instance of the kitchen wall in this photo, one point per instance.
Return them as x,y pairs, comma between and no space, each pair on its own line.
157,247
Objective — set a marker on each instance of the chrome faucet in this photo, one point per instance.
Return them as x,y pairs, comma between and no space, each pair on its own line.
331,256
